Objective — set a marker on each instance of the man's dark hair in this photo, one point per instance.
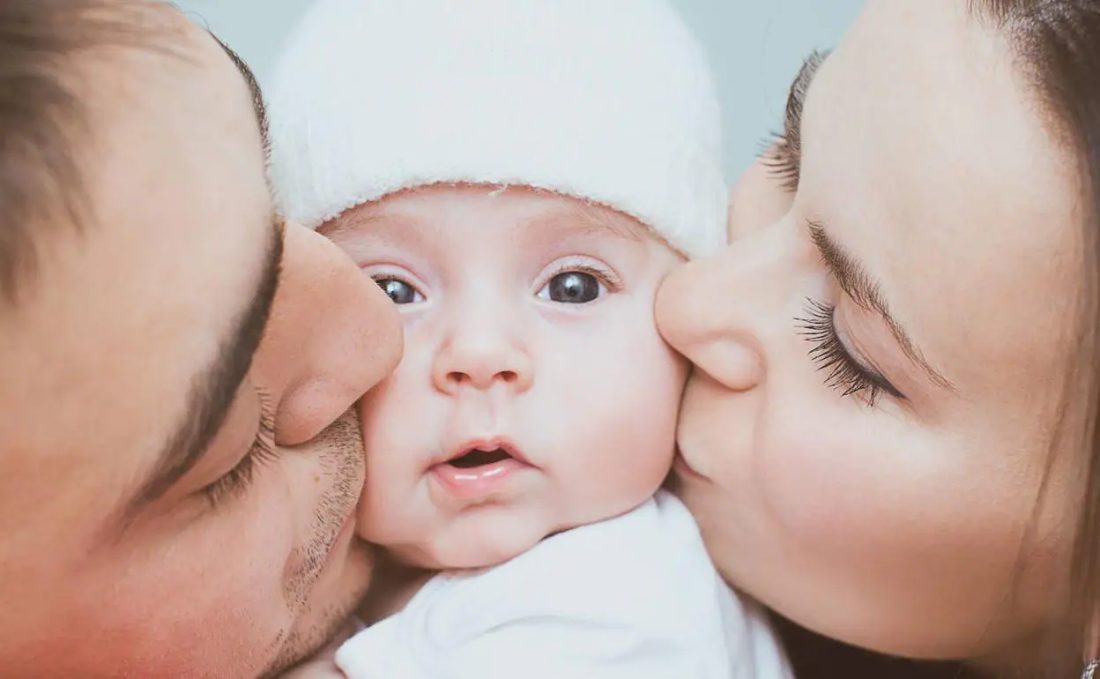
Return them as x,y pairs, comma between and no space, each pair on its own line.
43,121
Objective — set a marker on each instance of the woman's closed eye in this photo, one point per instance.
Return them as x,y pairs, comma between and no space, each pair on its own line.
843,371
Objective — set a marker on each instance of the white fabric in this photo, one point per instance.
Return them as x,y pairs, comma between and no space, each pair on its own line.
629,598
606,100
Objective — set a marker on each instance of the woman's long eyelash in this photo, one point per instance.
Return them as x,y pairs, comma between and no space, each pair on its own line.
784,150
781,157
234,482
843,372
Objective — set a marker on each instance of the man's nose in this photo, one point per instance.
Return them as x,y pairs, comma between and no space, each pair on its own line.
332,336
482,352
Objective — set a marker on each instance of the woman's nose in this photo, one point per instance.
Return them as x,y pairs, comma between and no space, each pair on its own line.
480,353
332,336
691,318
724,312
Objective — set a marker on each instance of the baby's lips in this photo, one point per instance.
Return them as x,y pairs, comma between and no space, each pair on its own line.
476,482
486,444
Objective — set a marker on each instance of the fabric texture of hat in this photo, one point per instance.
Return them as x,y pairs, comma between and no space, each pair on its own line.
610,101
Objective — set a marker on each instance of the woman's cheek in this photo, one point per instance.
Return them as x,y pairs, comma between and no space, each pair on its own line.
826,478
851,484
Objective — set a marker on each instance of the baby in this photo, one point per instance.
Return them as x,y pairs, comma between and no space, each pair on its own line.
519,176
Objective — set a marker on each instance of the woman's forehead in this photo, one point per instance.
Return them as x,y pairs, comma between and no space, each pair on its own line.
932,163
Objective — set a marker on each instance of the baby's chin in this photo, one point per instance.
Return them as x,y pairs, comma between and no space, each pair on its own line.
454,551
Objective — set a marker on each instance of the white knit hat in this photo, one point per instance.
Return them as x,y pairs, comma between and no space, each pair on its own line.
610,101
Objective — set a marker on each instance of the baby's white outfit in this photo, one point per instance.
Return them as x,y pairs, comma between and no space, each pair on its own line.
634,597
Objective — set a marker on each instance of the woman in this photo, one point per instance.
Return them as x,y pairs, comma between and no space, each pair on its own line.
889,437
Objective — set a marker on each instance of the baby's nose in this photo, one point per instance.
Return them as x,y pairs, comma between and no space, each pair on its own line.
481,358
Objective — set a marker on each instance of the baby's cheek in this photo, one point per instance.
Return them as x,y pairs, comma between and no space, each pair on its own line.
643,422
376,435
362,516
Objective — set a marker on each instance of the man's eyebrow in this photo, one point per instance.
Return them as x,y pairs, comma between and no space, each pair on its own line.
866,292
213,389
254,90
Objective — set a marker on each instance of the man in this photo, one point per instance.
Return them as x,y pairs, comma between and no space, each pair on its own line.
177,475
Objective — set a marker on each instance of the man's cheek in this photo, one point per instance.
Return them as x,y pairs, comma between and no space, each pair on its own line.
219,587
221,620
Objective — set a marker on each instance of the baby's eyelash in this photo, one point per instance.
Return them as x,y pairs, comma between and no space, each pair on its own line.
606,276
843,372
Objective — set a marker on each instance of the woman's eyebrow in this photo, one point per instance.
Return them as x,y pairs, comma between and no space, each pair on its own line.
866,292
796,98
796,101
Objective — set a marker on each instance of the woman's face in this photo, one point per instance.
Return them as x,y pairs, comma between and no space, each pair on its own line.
882,352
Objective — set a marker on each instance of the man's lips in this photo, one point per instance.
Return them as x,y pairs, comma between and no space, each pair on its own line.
478,467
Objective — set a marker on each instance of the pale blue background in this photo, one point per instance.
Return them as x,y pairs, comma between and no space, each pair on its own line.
755,48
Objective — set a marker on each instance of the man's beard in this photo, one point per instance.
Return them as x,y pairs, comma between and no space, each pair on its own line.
301,644
340,451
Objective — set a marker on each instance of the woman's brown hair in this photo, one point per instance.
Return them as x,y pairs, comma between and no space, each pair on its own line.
1057,45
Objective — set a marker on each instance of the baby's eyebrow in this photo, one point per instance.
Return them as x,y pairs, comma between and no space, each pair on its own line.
366,222
590,221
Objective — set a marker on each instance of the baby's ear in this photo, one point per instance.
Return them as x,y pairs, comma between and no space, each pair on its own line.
757,199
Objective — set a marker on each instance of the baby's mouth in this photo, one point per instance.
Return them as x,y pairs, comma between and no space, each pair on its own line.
479,469
480,458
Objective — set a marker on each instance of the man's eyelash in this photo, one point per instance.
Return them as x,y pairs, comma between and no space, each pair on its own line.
843,372
236,481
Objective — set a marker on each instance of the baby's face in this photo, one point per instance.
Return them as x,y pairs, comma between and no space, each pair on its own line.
535,393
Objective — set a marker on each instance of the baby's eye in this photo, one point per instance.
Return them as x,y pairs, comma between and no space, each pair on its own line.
572,287
399,291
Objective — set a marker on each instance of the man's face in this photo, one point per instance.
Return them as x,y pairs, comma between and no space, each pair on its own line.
173,500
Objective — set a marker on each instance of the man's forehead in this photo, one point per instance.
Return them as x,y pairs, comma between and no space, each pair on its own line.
97,370
253,87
